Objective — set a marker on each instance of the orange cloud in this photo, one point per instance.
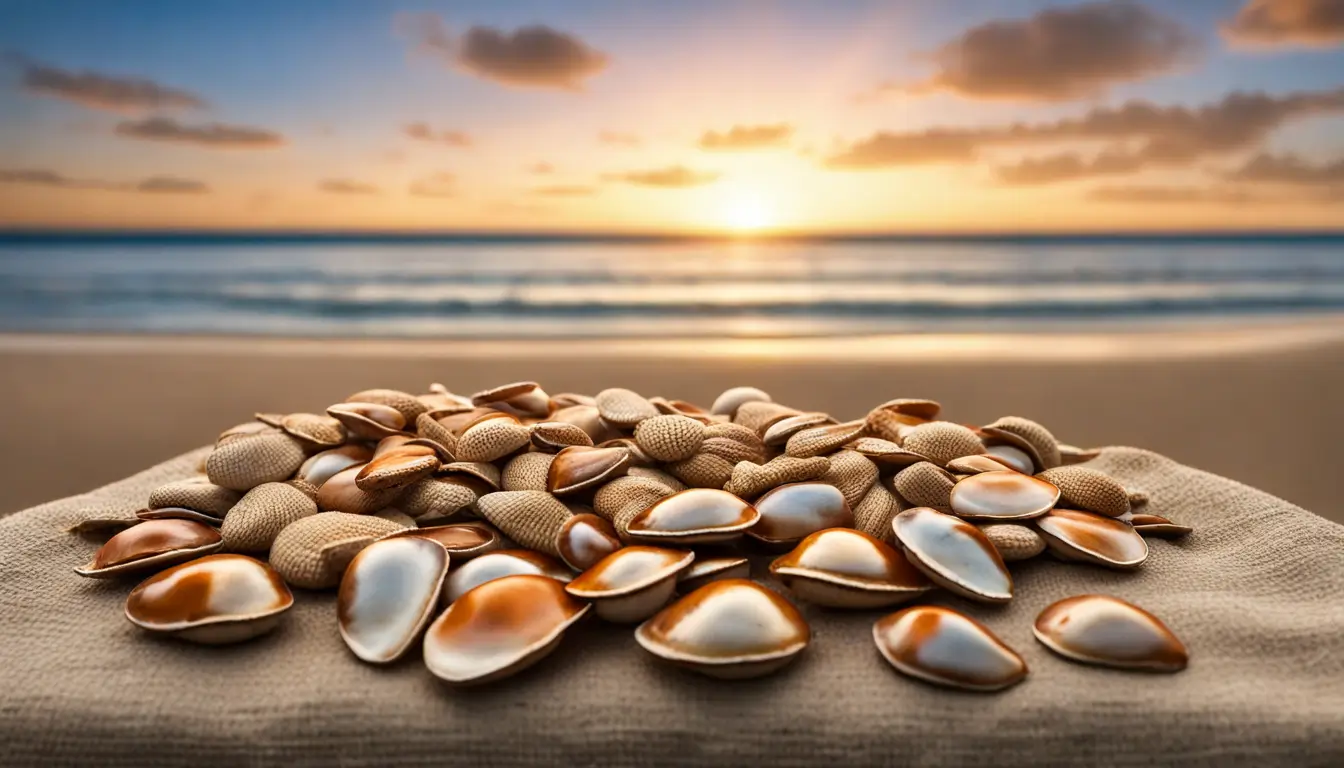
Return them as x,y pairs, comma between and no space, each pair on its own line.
214,135
1275,23
534,56
155,184
107,92
347,187
671,177
743,137
424,132
1289,169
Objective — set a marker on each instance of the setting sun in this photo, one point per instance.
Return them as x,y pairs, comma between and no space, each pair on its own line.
748,213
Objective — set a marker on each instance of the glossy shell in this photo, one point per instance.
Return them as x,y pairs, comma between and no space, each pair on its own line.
796,510
954,553
388,595
632,583
729,629
1014,457
1098,629
696,515
578,467
1156,525
585,539
320,467
216,599
940,646
845,568
369,421
499,628
1001,496
974,465
1076,535
497,565
151,545
463,541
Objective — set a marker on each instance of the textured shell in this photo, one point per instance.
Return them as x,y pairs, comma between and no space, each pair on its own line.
925,485
622,499
1014,542
943,441
196,494
819,441
759,415
313,552
702,470
737,433
1089,489
484,471
1072,454
852,473
1029,436
526,472
975,465
730,400
430,429
658,475
246,429
556,436
434,498
733,451
492,439
531,518
263,512
407,404
874,513
751,480
587,418
317,431
243,464
670,438
623,407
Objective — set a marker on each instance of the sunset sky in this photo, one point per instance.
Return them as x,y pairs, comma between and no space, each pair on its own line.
688,116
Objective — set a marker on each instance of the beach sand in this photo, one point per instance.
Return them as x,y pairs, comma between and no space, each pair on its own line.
1259,405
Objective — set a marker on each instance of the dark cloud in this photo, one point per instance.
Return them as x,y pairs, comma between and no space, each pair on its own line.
425,132
619,139
99,91
535,56
565,190
1060,53
1273,23
172,185
347,187
437,185
748,137
672,177
541,169
1288,169
1067,166
157,184
214,135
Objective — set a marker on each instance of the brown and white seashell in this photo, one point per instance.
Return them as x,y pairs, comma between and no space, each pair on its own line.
940,646
778,434
760,415
490,439
497,565
316,432
587,418
1000,496
1013,458
632,583
440,498
320,467
578,468
430,432
624,498
408,405
915,407
845,568
264,511
954,554
342,494
852,474
524,398
658,475
1028,436
681,408
397,468
695,516
730,400
198,494
486,472
670,438
703,470
874,513
623,408
750,480
1072,454
974,465
499,628
393,443
706,570
531,518
1013,541
151,545
1156,525
463,541
526,472
925,484
243,464
730,629
794,511
943,441
819,441
215,599
313,552
555,436
885,454
1088,489
585,539
1091,538
1103,630
388,595
369,421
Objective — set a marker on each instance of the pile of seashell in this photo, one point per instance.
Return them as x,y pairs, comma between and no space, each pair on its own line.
483,527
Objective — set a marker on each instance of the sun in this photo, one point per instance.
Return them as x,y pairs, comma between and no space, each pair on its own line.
747,213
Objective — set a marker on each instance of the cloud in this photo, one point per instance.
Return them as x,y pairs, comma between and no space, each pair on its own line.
172,185
155,184
565,190
1148,195
1275,23
619,139
424,132
437,185
1138,134
541,169
1061,53
747,137
347,187
534,56
672,177
1288,169
107,92
1067,166
214,135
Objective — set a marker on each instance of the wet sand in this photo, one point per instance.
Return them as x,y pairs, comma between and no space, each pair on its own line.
1260,405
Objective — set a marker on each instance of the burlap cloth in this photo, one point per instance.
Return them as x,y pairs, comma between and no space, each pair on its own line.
1255,593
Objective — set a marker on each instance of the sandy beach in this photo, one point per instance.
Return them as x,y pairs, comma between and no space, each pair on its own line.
1255,404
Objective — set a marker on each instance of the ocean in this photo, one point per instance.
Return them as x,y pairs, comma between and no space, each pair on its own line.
537,287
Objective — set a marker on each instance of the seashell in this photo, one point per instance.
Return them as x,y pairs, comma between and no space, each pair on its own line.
874,513
440,404
623,408
737,433
316,432
270,419
499,629
439,498
442,439
914,407
151,545
1137,498
632,583
198,494
818,441
490,439
894,420
1090,538
696,516
942,441
703,470
243,464
1088,489
728,403
638,458
1013,541
578,468
168,513
263,512
408,405
1027,435
760,415
555,436
925,484
1005,495
624,498
885,453
246,429
778,433
458,422
396,516
342,494
733,451
570,399
388,595
486,472
216,599
1103,630
392,443
103,527
527,472
534,519
658,475
587,418
670,438
1072,454
974,465
796,510
711,569
730,629
313,552
751,480
845,568
954,554
585,539
523,398
463,541
369,421
940,646
681,408
1012,457
1156,525
397,469
320,467
497,565
852,473
305,487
